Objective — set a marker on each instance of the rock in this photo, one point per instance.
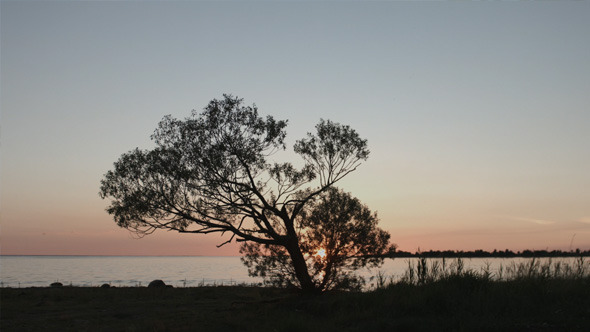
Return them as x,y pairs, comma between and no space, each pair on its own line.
105,286
157,284
56,284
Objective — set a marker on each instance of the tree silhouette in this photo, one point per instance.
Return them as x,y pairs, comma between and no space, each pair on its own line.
211,173
337,235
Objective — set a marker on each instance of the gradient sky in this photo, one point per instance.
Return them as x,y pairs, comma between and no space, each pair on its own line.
477,114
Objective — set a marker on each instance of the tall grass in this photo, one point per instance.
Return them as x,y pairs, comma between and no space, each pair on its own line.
425,271
549,269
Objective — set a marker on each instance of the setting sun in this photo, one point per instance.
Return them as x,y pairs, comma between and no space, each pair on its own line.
321,253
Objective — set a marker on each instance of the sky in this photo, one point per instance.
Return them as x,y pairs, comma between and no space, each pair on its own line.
477,115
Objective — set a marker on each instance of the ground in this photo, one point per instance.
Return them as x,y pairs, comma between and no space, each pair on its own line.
463,305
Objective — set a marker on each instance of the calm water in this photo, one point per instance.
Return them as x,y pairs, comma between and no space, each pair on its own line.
30,271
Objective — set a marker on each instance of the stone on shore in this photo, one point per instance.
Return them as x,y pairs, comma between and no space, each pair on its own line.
157,284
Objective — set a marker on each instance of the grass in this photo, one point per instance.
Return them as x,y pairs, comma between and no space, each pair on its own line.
531,296
426,270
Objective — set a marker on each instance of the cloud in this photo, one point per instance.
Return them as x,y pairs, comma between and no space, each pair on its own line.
585,220
534,221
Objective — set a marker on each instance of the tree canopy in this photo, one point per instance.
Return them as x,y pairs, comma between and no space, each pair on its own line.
212,173
337,234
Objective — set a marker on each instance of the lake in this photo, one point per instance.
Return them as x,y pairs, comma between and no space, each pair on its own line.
179,271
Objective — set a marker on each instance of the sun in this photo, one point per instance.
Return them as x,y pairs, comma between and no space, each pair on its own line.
321,253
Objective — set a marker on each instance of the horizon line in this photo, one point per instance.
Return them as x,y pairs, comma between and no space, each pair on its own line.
417,252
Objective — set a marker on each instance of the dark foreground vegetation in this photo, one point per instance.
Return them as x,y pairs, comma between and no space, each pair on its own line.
461,304
431,296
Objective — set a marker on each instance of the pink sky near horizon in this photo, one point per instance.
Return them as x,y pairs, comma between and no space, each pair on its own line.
110,240
477,115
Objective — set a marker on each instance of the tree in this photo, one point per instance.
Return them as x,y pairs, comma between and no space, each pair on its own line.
337,235
211,173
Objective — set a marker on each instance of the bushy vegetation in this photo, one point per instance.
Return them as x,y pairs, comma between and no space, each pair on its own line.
338,236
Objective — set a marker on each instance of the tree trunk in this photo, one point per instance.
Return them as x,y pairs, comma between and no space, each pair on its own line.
301,271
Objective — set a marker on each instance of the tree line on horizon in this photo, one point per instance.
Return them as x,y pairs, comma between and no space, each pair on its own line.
479,253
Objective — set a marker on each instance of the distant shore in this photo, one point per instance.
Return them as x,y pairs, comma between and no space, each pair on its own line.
492,254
